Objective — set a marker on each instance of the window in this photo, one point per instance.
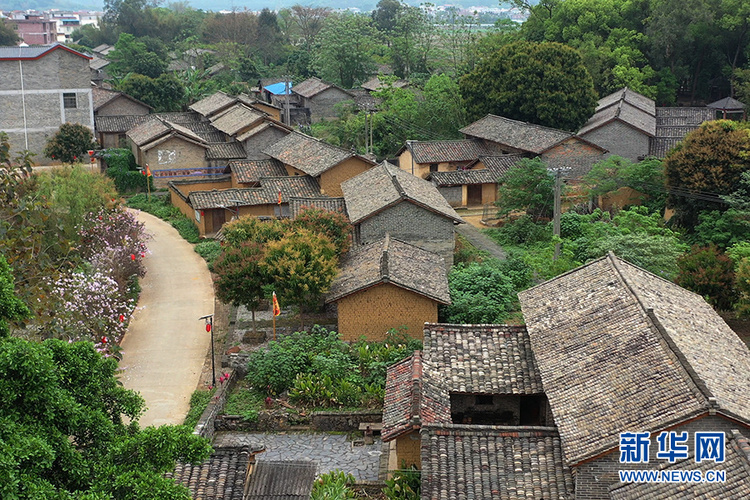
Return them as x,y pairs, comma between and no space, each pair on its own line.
484,399
69,100
433,167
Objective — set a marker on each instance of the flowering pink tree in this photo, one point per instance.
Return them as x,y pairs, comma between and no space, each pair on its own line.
114,242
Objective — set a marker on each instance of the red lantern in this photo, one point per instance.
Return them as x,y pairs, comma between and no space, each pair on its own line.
122,318
208,327
132,256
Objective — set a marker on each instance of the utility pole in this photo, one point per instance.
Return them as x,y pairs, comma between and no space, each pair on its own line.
287,90
558,209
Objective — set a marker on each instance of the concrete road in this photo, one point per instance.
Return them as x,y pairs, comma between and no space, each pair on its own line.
166,345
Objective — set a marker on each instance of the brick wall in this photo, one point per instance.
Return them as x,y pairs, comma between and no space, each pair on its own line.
412,224
372,312
323,105
454,195
260,141
408,449
44,82
594,478
330,180
621,140
187,155
574,154
122,106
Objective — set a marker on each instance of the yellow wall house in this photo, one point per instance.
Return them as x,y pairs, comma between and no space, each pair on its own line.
388,284
305,155
421,158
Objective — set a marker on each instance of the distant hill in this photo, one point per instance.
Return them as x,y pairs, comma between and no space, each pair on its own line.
363,5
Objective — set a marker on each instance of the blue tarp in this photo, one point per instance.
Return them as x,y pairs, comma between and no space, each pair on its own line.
278,88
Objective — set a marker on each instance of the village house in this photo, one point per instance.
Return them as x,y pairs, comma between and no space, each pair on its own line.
421,158
114,103
42,88
212,203
319,97
473,396
622,350
476,185
297,204
385,199
630,125
35,28
388,285
607,348
376,83
329,165
558,149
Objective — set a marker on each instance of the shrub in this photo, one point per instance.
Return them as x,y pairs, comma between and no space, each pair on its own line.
322,391
244,402
522,231
333,485
209,250
480,293
404,485
187,229
70,143
742,284
710,273
334,225
198,402
124,171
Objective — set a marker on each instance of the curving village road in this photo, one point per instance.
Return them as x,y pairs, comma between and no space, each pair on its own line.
166,345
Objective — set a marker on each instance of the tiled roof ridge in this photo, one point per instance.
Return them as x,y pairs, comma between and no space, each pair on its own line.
384,275
396,184
672,348
416,389
495,430
471,326
536,125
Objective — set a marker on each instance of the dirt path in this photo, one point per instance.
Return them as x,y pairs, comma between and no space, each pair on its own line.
481,241
166,345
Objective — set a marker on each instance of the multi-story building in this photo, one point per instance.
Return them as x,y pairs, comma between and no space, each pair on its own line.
40,89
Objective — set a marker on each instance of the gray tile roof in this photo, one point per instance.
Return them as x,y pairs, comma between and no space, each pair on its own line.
523,136
374,84
488,175
447,151
386,185
119,123
156,128
267,122
103,96
236,119
281,480
737,484
307,154
493,462
98,63
250,171
296,205
631,97
266,194
483,359
609,364
35,51
221,477
395,262
225,151
623,112
313,86
727,104
291,186
673,124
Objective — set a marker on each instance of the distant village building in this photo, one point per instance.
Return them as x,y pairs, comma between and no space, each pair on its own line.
35,28
320,98
40,89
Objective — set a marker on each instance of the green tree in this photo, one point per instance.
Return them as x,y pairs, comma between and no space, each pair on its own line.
411,41
480,294
334,225
11,307
708,272
70,144
240,278
164,93
543,83
647,177
8,36
710,160
528,186
63,432
344,47
133,55
302,266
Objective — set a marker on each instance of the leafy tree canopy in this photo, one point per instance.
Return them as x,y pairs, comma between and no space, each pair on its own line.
543,83
165,93
70,144
527,186
710,160
480,294
344,48
63,434
144,56
8,35
646,177
11,307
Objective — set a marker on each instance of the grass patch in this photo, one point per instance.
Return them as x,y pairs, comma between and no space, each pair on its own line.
163,209
466,252
244,401
198,402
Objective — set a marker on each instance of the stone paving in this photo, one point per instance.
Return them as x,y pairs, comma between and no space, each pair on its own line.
330,451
